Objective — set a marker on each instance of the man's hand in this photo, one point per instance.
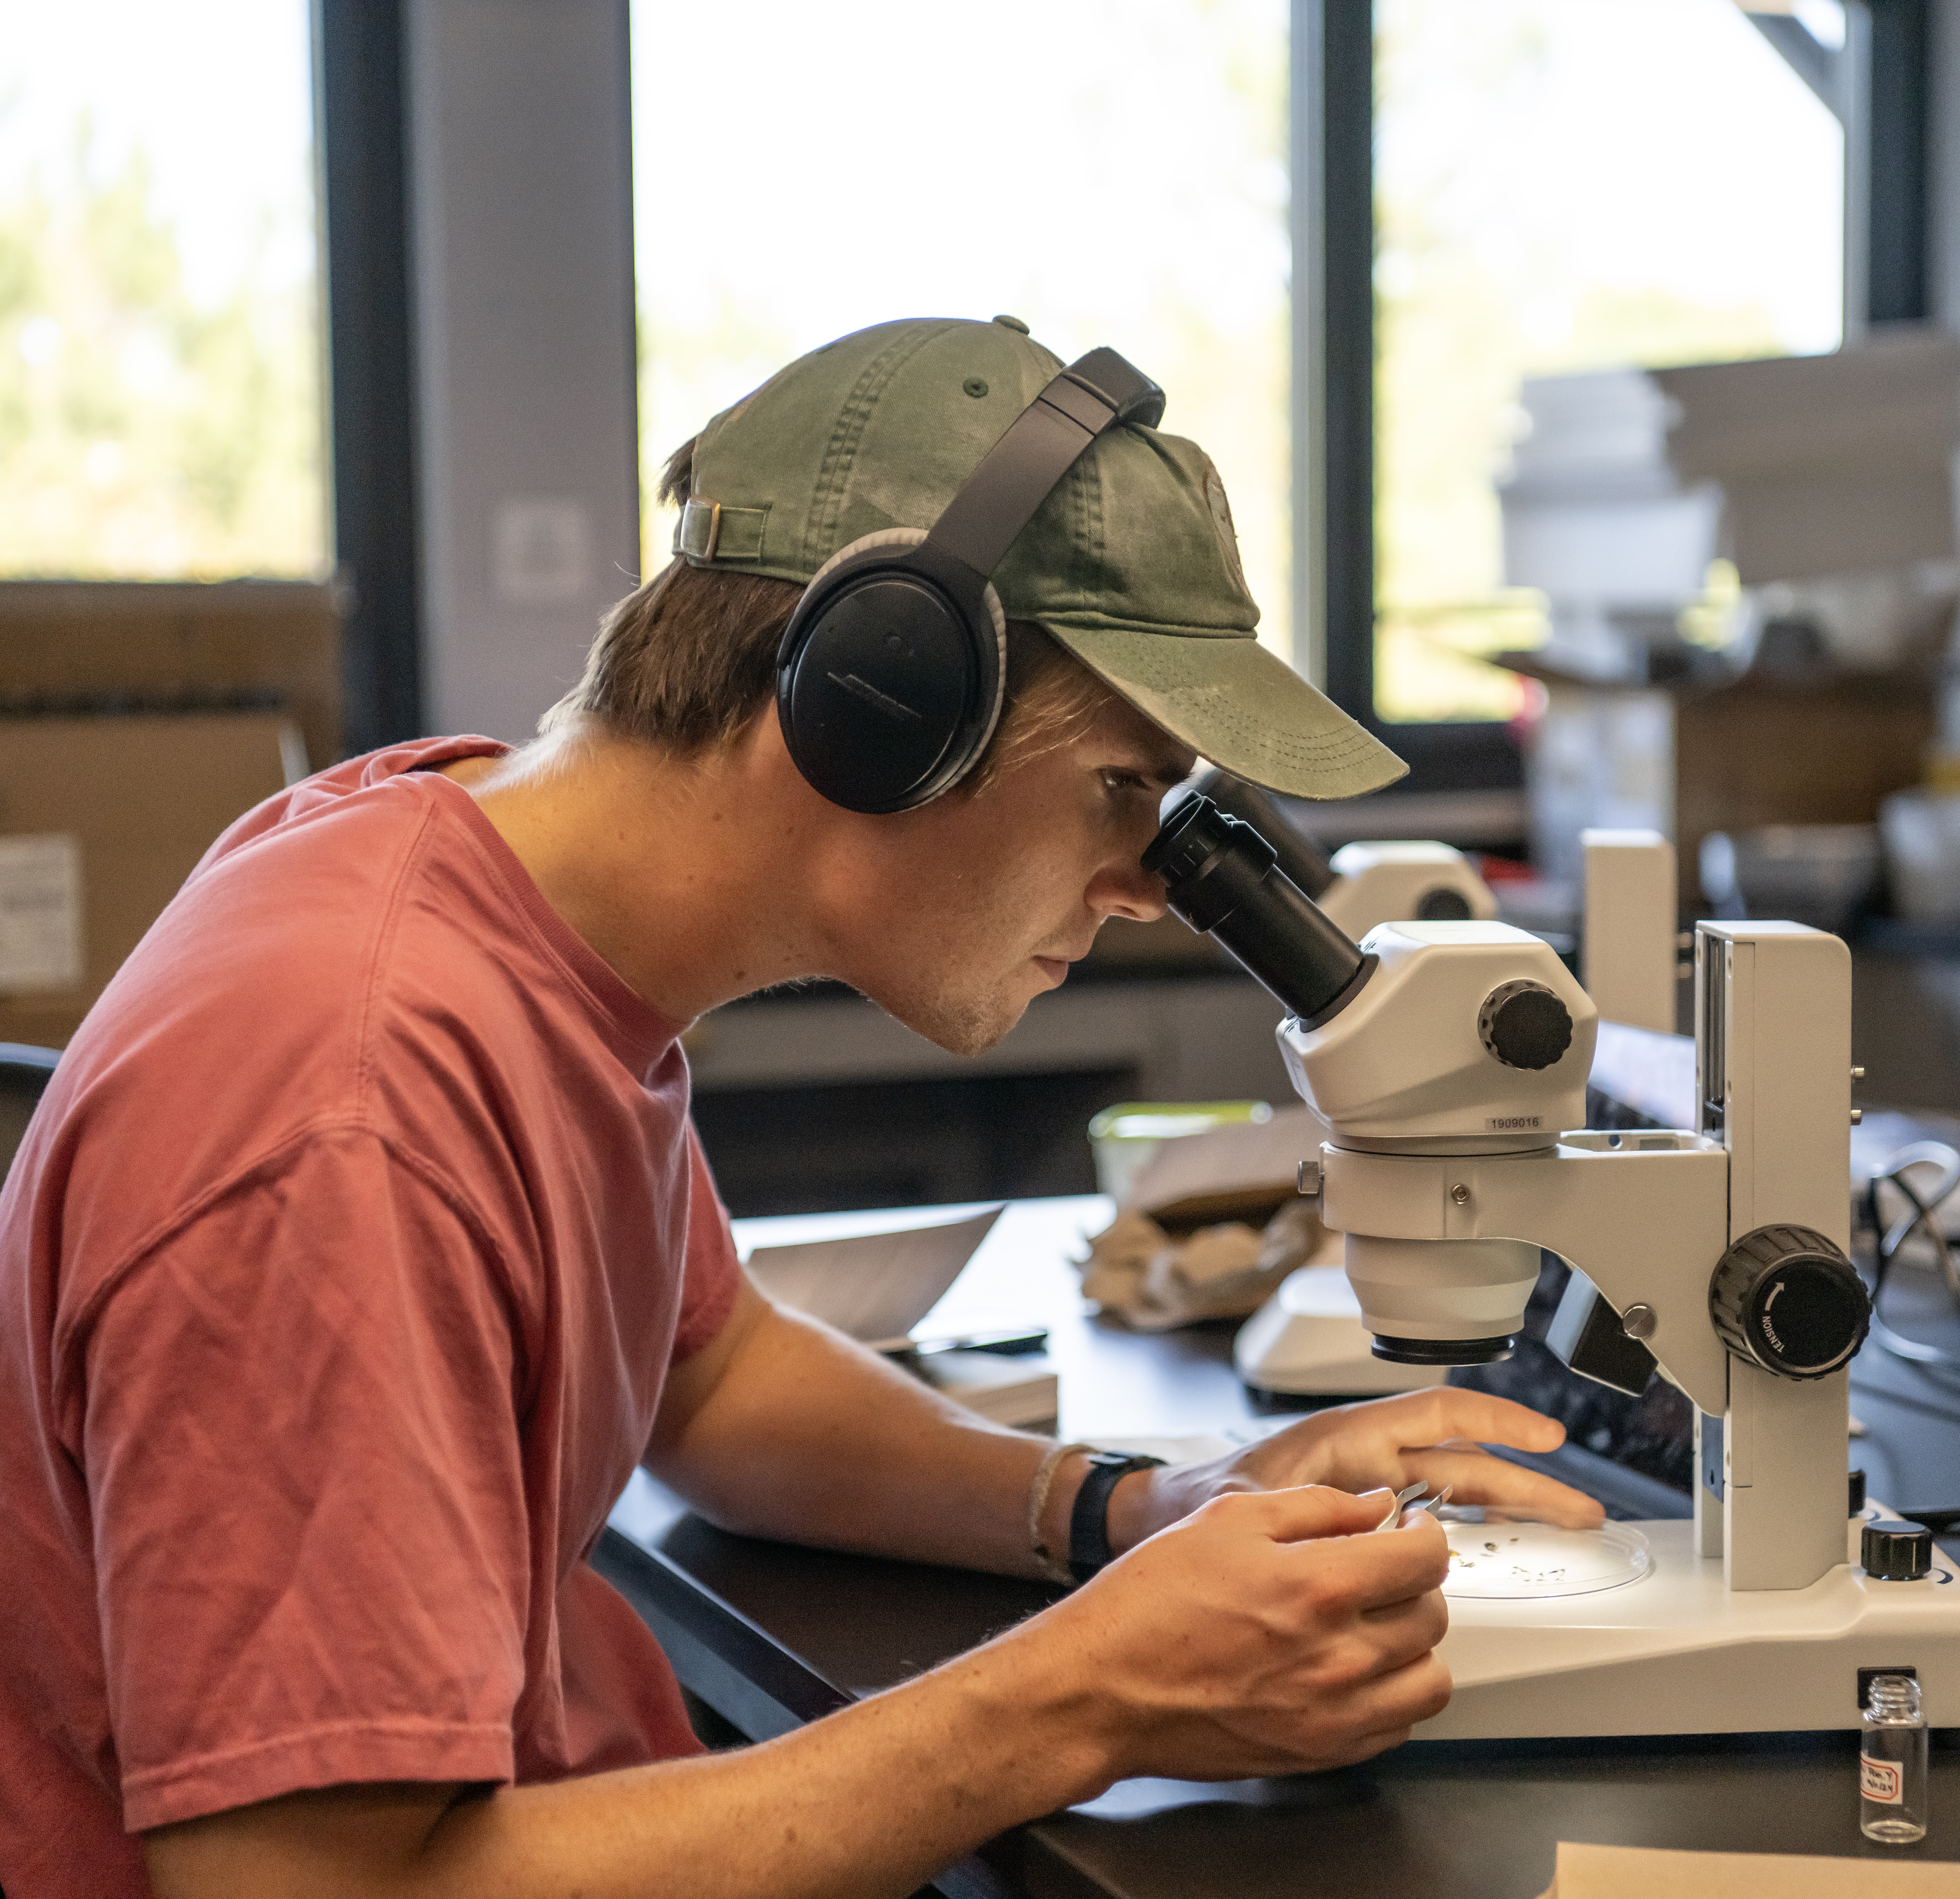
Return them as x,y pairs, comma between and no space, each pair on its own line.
1268,1633
1434,1435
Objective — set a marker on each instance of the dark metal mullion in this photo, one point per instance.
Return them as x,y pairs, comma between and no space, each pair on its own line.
1899,102
1334,268
1342,118
361,132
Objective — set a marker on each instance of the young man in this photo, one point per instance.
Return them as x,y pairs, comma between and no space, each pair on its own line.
362,1245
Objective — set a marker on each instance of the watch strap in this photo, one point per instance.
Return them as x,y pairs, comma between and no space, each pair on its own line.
1088,1548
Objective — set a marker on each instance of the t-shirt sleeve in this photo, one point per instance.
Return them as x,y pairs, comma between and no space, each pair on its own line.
298,1417
713,1271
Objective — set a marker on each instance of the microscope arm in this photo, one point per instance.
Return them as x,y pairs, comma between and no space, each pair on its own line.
1646,1224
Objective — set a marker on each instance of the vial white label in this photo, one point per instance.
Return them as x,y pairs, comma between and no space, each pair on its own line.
1882,1781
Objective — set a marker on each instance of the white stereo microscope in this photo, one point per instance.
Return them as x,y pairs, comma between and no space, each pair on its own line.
1448,1059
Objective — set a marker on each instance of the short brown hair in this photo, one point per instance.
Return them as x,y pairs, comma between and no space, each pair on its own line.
686,660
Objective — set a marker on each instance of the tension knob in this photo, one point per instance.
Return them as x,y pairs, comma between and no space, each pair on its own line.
1786,1298
1525,1025
1442,905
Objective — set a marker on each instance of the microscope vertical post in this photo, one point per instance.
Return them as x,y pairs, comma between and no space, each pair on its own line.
1773,1023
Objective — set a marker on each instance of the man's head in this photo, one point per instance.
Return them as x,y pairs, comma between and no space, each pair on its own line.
1131,563
1130,651
690,658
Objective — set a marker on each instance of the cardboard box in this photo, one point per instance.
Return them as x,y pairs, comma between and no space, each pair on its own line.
1690,759
1827,464
92,646
143,797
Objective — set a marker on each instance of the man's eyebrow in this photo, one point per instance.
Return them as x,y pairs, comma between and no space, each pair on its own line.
1166,770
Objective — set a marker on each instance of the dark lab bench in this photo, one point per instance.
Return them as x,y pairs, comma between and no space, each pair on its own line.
771,1636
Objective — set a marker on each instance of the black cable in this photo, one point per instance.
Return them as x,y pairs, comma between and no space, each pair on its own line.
1940,1522
1888,1242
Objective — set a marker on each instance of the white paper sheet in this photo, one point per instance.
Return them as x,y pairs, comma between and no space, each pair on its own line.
876,1286
40,913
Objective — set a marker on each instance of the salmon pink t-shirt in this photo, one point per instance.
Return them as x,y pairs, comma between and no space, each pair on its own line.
339,1275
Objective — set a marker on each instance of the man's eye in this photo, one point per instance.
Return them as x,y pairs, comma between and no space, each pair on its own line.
1117,781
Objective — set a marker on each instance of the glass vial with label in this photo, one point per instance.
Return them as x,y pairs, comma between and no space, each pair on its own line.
1891,1763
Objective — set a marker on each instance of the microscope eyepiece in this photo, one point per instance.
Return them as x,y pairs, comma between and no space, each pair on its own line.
1222,877
1299,857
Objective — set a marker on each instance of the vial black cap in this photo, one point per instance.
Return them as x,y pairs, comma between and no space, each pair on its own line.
1894,1552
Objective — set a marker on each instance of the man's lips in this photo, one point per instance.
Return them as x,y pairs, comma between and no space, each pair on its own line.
1056,968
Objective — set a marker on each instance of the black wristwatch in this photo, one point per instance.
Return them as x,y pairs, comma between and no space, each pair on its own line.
1088,1548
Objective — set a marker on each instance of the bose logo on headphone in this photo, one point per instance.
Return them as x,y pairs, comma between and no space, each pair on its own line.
870,694
890,675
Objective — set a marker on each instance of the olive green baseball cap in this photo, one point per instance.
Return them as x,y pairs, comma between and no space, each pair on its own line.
1132,563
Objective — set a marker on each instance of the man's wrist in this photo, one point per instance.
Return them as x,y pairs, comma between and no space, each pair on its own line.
1068,1736
1135,1509
1142,1504
1047,1526
1089,1548
1051,1522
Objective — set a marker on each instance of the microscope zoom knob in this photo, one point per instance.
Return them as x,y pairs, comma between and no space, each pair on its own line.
1525,1025
1786,1298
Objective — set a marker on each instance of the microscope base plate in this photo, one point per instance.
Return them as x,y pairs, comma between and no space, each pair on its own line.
1678,1652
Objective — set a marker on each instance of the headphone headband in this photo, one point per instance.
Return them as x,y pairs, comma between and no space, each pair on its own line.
1043,443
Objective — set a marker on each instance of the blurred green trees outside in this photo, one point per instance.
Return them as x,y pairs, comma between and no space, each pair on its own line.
145,434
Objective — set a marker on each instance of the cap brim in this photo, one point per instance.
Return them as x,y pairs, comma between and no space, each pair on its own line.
1239,705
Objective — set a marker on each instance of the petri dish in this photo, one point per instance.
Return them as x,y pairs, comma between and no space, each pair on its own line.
1500,1561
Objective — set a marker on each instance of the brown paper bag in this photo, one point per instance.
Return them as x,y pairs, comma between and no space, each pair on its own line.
1649,1872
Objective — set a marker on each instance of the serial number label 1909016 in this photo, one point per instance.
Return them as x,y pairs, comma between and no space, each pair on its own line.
1508,1124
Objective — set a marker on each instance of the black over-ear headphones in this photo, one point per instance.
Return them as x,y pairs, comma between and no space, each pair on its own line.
890,672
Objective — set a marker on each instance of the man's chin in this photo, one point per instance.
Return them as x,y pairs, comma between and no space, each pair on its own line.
960,1026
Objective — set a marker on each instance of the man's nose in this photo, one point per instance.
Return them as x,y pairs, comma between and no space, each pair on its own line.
1125,889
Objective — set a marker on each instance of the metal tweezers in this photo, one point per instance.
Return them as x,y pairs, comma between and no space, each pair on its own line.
1405,1498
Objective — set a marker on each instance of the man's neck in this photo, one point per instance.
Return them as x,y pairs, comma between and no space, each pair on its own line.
657,861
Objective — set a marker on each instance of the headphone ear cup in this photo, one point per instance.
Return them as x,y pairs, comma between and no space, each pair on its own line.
888,683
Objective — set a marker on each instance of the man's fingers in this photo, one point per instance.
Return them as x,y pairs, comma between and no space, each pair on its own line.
1478,1477
1405,1631
1306,1511
1386,1708
1337,1533
1376,1570
1447,1411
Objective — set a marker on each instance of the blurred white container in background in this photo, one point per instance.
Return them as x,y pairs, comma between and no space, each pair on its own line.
1921,830
1816,874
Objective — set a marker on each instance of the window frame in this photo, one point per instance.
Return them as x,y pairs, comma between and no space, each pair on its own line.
362,137
1884,86
361,146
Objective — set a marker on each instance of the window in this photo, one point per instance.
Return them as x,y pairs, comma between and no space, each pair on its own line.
1565,185
160,380
1112,171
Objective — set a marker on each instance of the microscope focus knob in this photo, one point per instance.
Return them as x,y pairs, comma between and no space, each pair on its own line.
1525,1025
1786,1298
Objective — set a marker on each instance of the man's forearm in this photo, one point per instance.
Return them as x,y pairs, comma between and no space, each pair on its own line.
804,1436
873,1800
1263,1635
784,1429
